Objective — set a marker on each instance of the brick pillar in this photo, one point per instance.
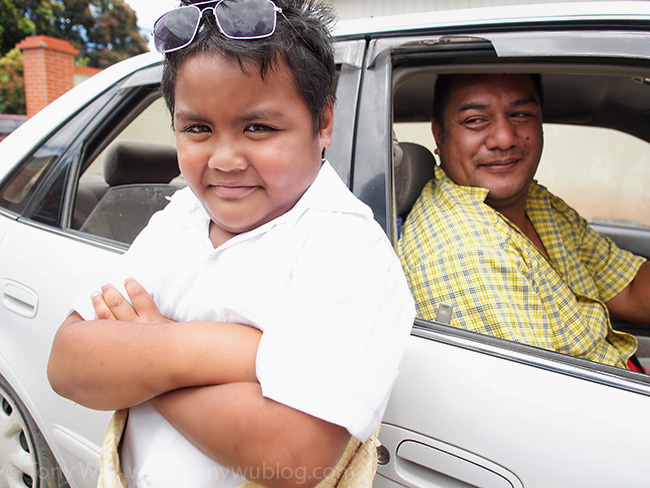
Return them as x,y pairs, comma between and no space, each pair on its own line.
48,65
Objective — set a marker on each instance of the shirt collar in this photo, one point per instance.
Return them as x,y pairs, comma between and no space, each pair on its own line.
477,192
327,192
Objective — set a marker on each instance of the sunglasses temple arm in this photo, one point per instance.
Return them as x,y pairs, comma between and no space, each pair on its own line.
296,31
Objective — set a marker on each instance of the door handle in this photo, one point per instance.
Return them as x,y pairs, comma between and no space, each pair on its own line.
422,461
414,460
19,299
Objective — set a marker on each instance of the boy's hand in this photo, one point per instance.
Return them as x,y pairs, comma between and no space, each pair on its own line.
111,305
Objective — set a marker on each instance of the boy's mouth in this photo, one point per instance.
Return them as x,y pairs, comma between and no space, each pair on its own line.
232,191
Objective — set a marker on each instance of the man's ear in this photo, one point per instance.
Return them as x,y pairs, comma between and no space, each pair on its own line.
436,130
326,125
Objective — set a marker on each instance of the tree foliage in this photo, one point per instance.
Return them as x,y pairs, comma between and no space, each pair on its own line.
104,31
12,87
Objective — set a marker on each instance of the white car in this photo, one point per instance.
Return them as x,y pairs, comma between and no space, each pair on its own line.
82,177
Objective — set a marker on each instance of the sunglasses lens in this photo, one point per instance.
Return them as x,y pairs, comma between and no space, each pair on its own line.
246,18
176,29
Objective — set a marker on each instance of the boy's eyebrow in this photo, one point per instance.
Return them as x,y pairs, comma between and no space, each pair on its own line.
190,116
259,114
249,117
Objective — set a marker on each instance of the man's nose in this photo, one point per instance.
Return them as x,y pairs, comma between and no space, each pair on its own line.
502,134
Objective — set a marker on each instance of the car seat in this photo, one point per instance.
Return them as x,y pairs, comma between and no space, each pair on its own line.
140,177
413,169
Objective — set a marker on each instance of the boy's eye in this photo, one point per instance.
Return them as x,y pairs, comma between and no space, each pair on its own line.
197,129
259,128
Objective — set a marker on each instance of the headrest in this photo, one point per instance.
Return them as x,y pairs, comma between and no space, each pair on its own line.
413,170
128,163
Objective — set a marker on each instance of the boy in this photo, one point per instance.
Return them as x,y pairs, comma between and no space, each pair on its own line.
268,312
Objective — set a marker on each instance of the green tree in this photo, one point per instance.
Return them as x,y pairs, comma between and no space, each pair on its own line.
12,88
22,18
104,31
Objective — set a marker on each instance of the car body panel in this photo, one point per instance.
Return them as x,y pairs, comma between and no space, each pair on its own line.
466,409
550,412
73,432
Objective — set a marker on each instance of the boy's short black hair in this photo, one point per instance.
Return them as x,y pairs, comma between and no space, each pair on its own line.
302,39
445,82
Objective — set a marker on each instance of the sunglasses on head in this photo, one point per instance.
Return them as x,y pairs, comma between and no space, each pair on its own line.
236,19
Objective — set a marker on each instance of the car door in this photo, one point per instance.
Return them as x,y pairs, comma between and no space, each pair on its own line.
473,410
40,272
48,256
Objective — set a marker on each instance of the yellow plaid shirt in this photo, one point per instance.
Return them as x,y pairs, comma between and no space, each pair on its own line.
456,249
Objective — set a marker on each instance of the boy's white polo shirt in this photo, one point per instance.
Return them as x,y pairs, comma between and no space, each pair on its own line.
323,284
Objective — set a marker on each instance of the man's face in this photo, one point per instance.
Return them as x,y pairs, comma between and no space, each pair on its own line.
492,136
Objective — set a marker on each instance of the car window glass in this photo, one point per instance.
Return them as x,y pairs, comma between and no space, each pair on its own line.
48,208
153,125
17,191
130,179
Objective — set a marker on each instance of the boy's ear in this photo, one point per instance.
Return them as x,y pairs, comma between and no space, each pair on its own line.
326,125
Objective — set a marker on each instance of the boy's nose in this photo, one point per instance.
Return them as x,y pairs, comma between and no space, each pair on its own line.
226,157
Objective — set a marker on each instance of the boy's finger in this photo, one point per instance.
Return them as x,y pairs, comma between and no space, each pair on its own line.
142,302
101,309
117,304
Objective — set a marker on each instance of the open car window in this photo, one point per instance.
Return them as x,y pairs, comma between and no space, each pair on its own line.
132,176
596,139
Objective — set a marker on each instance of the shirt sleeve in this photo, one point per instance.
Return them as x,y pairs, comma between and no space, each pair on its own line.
611,267
333,345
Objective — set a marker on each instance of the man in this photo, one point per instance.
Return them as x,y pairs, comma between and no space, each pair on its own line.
514,260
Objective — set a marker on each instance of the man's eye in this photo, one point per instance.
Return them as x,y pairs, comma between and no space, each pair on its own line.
475,122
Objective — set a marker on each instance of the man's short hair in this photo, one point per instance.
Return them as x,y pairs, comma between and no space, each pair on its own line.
302,39
445,83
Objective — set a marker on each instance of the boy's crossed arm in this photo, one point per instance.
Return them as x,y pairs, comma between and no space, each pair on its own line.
254,436
131,354
201,378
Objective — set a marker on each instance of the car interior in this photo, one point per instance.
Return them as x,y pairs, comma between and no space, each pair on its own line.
136,175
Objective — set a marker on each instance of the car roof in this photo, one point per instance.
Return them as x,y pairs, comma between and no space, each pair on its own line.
548,13
595,64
